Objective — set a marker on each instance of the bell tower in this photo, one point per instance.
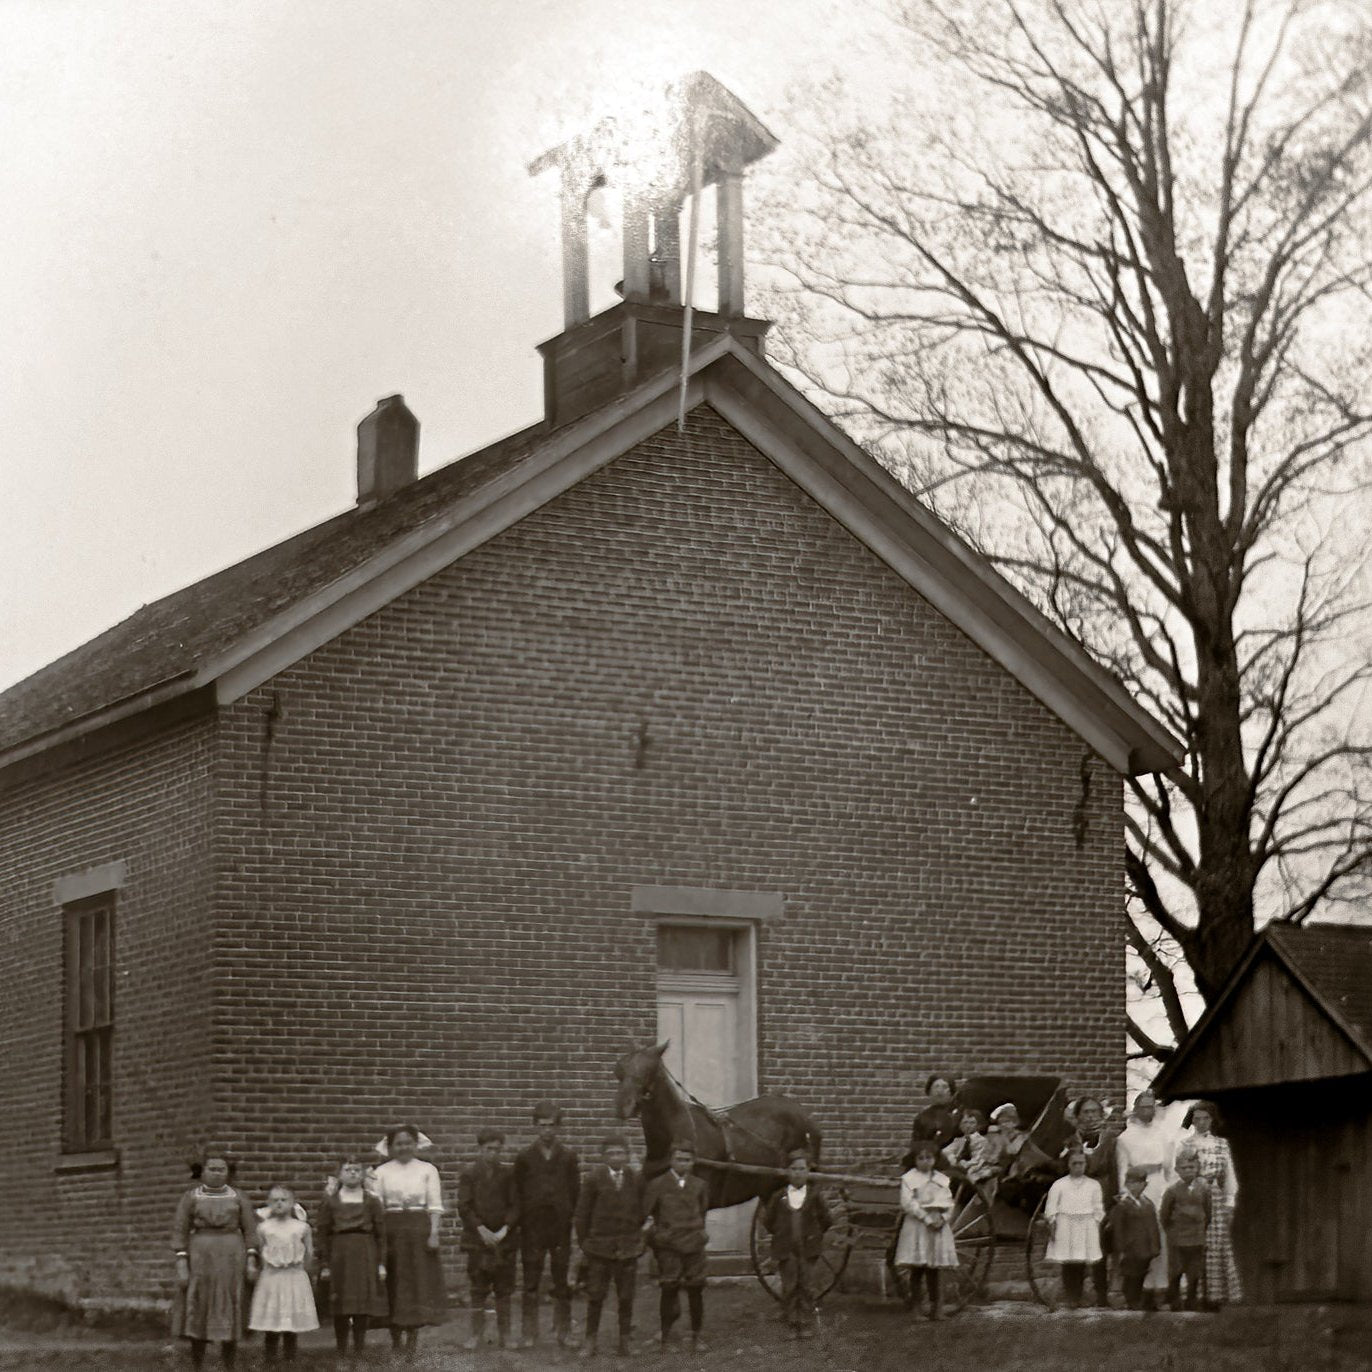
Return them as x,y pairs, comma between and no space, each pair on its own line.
701,135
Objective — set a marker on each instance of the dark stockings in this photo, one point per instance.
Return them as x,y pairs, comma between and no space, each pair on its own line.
1073,1282
359,1328
668,1308
228,1352
275,1342
695,1302
408,1339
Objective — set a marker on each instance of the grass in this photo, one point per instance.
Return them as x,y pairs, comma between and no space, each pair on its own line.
858,1334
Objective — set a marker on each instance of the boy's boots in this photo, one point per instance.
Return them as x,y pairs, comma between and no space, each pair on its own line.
528,1321
562,1321
502,1320
588,1349
1100,1283
478,1330
668,1308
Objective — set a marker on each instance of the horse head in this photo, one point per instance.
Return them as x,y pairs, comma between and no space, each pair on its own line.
637,1073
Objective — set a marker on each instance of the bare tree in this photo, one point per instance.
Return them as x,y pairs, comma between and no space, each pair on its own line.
1099,292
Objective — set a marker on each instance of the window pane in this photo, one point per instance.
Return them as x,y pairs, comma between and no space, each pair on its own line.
85,1002
88,1099
100,967
683,948
103,1123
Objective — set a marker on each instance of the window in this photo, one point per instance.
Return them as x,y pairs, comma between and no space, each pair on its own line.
89,955
696,948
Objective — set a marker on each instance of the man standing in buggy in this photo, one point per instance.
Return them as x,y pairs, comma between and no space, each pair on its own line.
938,1121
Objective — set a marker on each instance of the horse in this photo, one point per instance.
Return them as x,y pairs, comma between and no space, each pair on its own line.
761,1132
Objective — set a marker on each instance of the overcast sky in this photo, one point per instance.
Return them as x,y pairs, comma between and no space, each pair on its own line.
227,229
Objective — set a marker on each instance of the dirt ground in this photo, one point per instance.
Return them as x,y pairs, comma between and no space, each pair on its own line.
858,1334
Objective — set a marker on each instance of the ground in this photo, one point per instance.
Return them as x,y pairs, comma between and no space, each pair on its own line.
858,1334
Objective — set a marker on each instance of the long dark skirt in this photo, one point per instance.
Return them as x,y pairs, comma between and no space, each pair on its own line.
354,1287
214,1306
414,1274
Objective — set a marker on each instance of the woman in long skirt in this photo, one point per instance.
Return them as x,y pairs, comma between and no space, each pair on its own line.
215,1239
408,1189
1222,1284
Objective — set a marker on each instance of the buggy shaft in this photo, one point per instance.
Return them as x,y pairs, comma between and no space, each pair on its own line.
754,1170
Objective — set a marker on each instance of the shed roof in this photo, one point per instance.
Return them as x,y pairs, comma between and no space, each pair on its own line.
239,627
1247,1037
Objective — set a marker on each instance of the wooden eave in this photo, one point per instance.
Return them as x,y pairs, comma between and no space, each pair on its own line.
1264,944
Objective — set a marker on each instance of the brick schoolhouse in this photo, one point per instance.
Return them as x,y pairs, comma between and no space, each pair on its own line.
613,730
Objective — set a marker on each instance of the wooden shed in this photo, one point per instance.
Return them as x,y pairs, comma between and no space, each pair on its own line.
1285,1052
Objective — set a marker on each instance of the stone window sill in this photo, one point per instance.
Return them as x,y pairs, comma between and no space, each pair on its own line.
99,1160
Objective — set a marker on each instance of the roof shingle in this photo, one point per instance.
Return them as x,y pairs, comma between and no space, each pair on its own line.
172,637
1335,960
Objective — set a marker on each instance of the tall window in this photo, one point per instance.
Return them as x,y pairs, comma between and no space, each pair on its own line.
90,1024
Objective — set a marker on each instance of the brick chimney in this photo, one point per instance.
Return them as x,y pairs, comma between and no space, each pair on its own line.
701,136
387,450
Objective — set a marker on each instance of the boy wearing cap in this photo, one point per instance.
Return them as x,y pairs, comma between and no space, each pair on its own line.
609,1228
1134,1238
676,1203
489,1209
547,1180
797,1219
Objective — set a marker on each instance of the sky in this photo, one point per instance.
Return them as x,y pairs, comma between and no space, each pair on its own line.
228,229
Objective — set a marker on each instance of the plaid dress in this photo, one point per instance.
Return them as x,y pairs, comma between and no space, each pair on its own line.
1222,1283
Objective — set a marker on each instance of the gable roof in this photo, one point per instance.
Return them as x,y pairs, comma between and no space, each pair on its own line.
1331,964
239,627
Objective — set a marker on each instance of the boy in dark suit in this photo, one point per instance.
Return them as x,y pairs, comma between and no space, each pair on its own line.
609,1228
548,1180
676,1204
1131,1229
489,1210
797,1218
1185,1215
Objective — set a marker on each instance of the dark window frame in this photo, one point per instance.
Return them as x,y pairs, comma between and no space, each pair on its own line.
88,1023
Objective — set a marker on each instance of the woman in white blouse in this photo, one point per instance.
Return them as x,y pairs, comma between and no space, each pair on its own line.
408,1188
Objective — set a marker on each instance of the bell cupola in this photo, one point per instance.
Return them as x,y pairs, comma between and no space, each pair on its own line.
701,137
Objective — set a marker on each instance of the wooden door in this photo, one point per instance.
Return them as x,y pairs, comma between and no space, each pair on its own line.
700,1012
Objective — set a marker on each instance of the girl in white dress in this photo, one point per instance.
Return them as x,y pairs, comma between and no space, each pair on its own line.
1075,1208
282,1301
926,1242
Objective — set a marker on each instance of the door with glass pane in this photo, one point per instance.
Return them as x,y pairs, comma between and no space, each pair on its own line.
702,995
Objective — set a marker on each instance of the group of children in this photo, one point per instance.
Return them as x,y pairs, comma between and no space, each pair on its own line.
1162,1212
374,1247
1133,1230
376,1238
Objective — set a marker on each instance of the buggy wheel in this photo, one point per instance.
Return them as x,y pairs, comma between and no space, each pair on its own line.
974,1237
838,1247
1045,1278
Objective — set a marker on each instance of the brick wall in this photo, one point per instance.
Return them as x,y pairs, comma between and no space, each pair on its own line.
680,673
425,835
147,807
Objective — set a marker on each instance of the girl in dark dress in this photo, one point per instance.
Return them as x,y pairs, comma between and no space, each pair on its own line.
351,1234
